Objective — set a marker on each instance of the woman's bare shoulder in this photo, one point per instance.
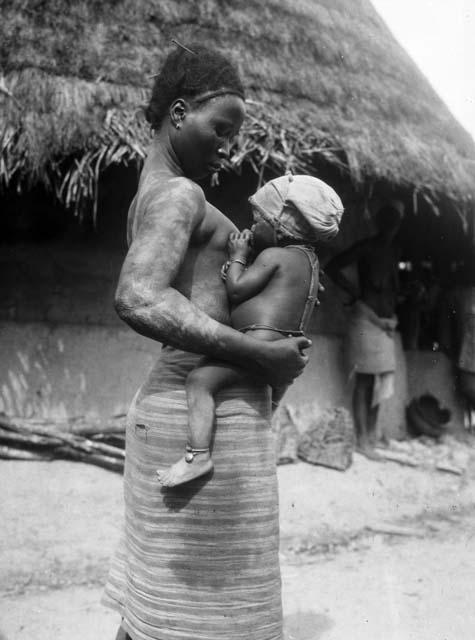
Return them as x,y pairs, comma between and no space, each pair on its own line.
174,198
173,189
162,202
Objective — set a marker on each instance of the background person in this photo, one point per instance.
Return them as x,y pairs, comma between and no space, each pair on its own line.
370,338
458,329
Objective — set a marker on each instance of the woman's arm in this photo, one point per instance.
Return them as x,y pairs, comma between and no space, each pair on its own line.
147,301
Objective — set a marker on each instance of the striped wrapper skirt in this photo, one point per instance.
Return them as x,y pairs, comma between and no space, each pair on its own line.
198,561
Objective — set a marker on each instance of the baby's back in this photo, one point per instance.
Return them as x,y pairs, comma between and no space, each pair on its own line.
282,301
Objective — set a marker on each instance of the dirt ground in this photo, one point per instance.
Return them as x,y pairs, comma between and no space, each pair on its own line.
379,552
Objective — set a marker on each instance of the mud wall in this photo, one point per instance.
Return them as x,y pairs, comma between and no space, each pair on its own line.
65,353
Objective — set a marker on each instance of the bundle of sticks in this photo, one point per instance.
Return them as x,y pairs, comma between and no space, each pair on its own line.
76,439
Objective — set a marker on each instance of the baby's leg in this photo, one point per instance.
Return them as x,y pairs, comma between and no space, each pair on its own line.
277,395
201,386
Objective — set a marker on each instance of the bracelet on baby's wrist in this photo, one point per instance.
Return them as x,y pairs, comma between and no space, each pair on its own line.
227,264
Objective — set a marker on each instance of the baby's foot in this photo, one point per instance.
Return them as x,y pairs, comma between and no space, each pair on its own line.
183,471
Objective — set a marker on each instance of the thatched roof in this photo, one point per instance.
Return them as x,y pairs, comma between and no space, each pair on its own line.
326,79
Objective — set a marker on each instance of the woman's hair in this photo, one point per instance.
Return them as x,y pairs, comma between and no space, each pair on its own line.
187,73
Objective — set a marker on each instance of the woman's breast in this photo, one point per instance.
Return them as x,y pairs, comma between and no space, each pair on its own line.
200,281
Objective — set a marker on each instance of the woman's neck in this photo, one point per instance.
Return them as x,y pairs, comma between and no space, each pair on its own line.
161,156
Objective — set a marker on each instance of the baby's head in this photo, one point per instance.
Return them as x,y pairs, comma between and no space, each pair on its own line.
299,209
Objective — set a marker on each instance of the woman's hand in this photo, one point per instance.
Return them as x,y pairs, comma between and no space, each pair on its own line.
239,245
283,360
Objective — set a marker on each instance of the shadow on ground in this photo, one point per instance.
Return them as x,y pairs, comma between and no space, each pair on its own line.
306,625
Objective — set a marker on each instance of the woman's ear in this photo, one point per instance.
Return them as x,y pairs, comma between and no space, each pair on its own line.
178,111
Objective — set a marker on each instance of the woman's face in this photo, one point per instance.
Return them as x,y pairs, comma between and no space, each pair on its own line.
206,133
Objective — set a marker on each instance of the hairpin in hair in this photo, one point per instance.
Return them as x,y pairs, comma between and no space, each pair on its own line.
182,46
178,44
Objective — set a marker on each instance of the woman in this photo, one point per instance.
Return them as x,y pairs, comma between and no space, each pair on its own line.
199,561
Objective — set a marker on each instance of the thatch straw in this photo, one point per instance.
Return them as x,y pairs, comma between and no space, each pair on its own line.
326,80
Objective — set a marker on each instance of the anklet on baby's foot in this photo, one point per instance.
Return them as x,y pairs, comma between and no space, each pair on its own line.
191,453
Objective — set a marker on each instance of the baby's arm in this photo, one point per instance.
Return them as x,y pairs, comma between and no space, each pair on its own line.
242,281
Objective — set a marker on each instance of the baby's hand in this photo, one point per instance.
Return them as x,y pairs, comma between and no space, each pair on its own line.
239,244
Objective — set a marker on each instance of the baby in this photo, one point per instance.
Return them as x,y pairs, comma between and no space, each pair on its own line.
271,298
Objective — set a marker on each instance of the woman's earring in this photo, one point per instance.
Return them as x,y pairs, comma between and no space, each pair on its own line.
177,125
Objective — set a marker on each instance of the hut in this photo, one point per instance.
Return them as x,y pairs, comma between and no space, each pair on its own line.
331,93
